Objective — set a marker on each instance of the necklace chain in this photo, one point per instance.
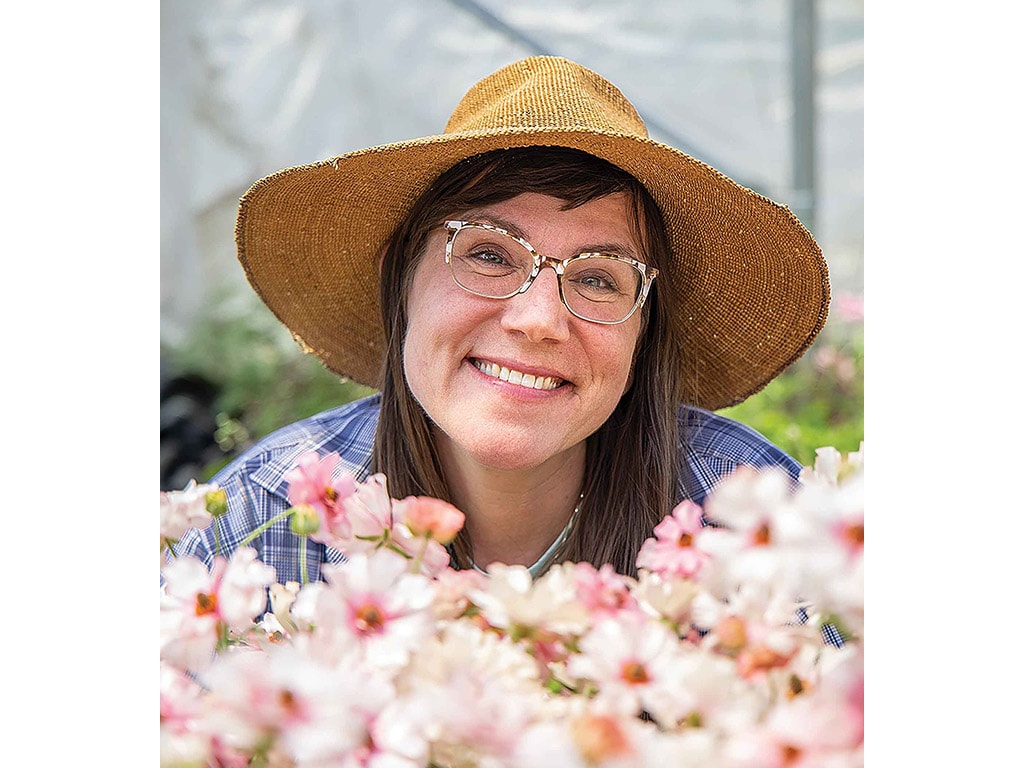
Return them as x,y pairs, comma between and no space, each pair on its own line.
538,568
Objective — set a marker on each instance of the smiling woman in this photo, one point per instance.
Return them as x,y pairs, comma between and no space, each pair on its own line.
551,305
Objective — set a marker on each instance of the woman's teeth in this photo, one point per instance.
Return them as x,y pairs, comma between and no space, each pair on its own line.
515,377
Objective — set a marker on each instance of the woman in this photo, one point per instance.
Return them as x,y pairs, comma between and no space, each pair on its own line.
565,411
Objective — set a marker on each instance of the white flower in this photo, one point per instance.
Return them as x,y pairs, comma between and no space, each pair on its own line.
370,602
197,604
242,595
317,714
511,598
471,693
671,599
184,509
182,742
634,663
189,619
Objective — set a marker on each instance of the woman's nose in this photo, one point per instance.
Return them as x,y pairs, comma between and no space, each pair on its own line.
539,313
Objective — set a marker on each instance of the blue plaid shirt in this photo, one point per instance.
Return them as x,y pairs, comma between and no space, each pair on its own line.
256,490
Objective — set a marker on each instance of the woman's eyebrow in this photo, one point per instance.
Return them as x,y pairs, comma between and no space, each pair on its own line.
484,217
610,248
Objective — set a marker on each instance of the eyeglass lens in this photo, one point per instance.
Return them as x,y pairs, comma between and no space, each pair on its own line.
491,264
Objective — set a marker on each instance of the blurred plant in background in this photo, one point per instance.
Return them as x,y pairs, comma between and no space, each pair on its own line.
256,380
242,376
819,400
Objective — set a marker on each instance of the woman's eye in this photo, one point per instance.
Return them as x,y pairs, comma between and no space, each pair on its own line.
490,257
596,282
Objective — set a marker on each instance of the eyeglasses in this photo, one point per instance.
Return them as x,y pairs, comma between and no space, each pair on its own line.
490,262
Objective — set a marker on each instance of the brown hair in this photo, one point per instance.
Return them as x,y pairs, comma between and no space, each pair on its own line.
632,462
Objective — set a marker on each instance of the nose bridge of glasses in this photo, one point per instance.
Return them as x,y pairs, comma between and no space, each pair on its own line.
557,265
535,276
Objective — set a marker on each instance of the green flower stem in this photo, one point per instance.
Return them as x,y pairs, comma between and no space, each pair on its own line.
216,535
395,548
170,546
302,561
223,636
275,519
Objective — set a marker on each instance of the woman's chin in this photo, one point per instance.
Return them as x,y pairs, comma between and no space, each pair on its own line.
504,450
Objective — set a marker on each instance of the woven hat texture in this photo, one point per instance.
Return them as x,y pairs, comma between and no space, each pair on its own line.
751,283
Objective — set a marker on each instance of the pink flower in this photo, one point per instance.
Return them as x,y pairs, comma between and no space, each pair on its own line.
635,665
315,714
370,603
189,621
430,518
452,589
311,482
369,515
198,604
182,741
603,592
672,552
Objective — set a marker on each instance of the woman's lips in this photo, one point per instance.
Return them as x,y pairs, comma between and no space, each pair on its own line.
512,376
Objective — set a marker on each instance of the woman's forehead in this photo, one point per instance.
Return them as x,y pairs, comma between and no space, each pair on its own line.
605,224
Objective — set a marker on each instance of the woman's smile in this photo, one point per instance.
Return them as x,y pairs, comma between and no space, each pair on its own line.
517,377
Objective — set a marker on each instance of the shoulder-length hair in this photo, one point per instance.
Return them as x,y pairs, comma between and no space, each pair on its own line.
631,479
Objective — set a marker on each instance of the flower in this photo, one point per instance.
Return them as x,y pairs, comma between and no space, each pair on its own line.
513,601
431,518
199,606
312,483
318,714
603,592
396,660
182,740
672,551
369,511
475,691
184,509
370,604
634,664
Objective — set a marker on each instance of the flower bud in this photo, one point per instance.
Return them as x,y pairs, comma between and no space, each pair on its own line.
732,634
304,520
599,738
430,518
217,502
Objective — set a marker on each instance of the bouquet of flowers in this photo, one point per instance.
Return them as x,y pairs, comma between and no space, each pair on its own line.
739,644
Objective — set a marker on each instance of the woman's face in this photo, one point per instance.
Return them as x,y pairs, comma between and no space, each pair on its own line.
457,342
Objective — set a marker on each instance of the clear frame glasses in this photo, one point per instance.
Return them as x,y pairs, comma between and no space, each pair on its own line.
598,287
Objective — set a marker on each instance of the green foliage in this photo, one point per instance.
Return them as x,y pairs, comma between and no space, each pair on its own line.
264,381
818,401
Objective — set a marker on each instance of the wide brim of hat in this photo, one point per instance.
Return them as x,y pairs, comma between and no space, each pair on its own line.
751,284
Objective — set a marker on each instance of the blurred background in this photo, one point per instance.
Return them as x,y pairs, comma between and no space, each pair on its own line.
770,92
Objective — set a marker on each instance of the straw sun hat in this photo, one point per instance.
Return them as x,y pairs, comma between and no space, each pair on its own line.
752,284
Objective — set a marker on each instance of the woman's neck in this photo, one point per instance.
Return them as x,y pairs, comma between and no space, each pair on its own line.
513,515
